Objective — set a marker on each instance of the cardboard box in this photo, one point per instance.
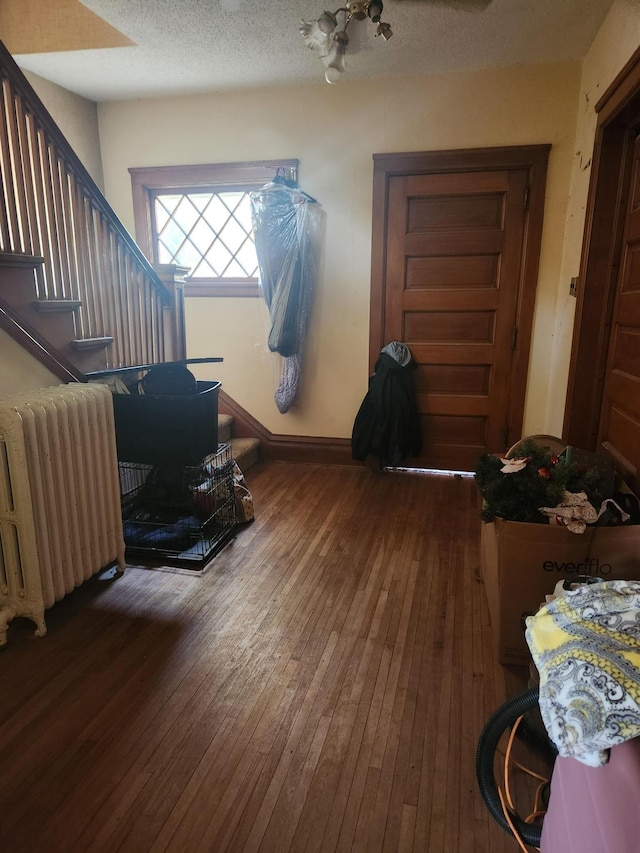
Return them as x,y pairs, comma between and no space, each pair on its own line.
521,563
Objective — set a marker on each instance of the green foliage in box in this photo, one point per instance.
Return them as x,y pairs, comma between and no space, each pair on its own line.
532,476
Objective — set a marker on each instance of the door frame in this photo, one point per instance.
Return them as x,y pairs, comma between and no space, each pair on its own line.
534,158
618,123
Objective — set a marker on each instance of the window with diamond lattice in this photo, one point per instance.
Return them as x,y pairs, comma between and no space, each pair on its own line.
199,218
208,232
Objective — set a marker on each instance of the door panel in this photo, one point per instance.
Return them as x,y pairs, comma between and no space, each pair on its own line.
454,211
449,326
442,271
452,277
470,379
619,431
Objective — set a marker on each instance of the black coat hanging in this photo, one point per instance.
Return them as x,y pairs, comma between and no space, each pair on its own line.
387,425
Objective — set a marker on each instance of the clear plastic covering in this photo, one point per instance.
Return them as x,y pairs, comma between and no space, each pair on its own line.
288,227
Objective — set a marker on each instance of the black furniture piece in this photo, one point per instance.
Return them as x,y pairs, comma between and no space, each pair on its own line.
176,482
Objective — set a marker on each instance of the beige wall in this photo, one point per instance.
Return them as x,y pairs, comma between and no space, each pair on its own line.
616,41
20,371
334,131
77,118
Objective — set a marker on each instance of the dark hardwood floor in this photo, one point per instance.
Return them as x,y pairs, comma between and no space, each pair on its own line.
320,687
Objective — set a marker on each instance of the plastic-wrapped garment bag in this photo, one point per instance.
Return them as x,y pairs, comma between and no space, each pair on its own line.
288,228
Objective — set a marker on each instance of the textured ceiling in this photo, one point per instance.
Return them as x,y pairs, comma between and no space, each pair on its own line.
214,45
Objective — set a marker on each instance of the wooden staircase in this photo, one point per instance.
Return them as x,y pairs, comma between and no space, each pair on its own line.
50,321
245,450
75,289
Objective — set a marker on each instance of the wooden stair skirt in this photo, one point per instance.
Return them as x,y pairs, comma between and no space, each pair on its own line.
47,322
277,448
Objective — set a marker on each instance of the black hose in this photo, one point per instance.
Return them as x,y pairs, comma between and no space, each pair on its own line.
501,720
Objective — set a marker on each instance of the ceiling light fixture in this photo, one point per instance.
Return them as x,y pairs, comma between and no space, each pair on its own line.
331,43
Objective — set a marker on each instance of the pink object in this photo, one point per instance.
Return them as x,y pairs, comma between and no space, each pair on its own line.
595,809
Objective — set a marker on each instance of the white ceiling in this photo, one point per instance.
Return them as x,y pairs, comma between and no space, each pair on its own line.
214,45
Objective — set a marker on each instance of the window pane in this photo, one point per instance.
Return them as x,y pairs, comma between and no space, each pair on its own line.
188,256
232,235
247,257
243,213
172,237
164,255
217,213
200,200
185,214
231,200
203,270
219,257
202,236
234,270
208,232
162,216
169,202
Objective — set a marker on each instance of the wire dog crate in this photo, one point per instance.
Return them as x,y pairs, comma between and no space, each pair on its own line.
178,514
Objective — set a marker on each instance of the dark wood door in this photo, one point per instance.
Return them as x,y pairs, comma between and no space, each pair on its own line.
454,266
619,430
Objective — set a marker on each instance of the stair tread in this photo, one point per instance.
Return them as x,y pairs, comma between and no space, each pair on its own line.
91,343
225,428
52,305
245,452
243,445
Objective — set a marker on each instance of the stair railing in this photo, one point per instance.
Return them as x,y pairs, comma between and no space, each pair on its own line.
50,206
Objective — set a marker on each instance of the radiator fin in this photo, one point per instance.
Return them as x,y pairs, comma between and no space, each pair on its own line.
60,519
6,492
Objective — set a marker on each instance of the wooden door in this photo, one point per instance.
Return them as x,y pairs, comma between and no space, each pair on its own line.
453,273
619,429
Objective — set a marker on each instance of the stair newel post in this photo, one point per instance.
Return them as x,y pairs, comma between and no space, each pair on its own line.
173,276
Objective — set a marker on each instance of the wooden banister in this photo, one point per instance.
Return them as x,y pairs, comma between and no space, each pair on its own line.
20,85
50,206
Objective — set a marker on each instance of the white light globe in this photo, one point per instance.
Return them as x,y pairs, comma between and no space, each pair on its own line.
333,75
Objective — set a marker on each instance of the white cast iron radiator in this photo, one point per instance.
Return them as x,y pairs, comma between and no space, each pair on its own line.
60,519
